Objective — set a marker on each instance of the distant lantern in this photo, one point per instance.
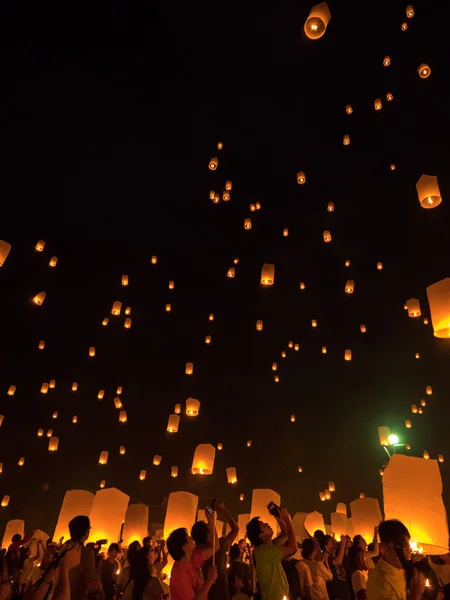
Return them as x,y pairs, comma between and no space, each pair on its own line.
127,323
252,207
362,328
39,298
5,500
361,495
386,61
426,454
301,177
377,104
346,140
423,402
49,433
348,109
235,261
424,71
314,323
389,97
211,317
258,206
119,390
300,469
207,339
249,443
425,321
290,344
413,408
122,450
157,460
216,199
349,286
44,388
103,459
21,461
231,475
428,191
123,416
219,446
292,418
124,279
1,419
219,146
92,351
276,378
408,446
241,497
285,232
327,494
168,307
53,261
174,472
55,415
228,185
441,458
348,355
283,354
105,321
203,461
154,260
324,349
74,419
405,306
101,394
392,167
322,496
213,163
231,273
379,266
410,11
11,390
330,206
413,307
116,308
247,223
404,26
127,310
189,368
267,274
296,347
102,484
416,355
173,423
302,285
171,285
259,325
177,409
326,236
53,444
4,251
142,475
192,407
429,390
317,21
331,486
439,301
225,196
117,403
41,345
420,410
408,424
40,432
39,246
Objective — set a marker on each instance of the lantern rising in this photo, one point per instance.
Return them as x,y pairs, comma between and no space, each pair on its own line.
231,475
424,71
317,21
346,140
4,251
174,472
247,223
192,407
213,163
189,368
53,261
428,191
349,287
39,298
103,459
173,423
53,444
203,461
301,177
377,104
157,460
413,307
439,301
116,308
259,325
267,274
348,109
326,236
348,355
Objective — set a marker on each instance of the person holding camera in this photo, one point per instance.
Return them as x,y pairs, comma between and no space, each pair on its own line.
272,579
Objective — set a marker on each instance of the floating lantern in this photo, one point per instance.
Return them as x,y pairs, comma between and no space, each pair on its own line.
301,177
377,104
174,472
4,251
379,266
324,349
302,285
52,384
425,321
74,419
231,273
55,415
274,366
313,323
326,236
216,199
362,328
389,98
119,390
142,475
127,323
392,167
408,446
327,494
208,339
41,345
123,416
247,223
101,394
177,410
231,475
420,411
276,378
429,390
236,261
283,354
49,433
168,307
408,424
39,246
5,500
219,146
241,497
53,261
103,459
426,455
441,458
317,21
348,355
285,232
203,461
117,403
102,483
44,388
259,325
417,355
349,286
219,446
249,443
424,71
192,407
189,368
92,351
404,26
39,298
173,423
386,61
423,402
171,285
330,206
348,109
267,274
300,469
124,279
116,308
21,461
1,419
296,347
331,486
346,140
213,163
413,307
40,432
11,390
428,191
157,460
105,321
53,444
439,301
211,317
409,11
228,185
322,496
225,196
413,408
361,495
122,450
252,207
290,344
258,206
292,418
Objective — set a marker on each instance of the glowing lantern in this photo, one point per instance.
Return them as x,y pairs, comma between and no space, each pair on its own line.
124,279
41,345
267,274
177,410
302,285
428,191
127,310
231,475
346,140
117,403
413,408
300,469
441,458
1,419
349,286
408,424
276,378
119,390
424,71
136,523
5,501
74,386
292,418
425,321
429,390
420,411
384,433
44,388
103,457
127,323
108,514
392,167
172,425
348,355
417,355
53,444
92,351
324,349
55,415
409,11
313,323
4,251
290,344
171,285
259,325
49,433
76,502
219,446
249,443
241,497
203,461
330,206
21,461
301,177
192,407
52,384
247,223
142,474
219,147
317,21
426,455
258,206
326,236
75,419
174,472
231,273
216,199
100,394
168,307
53,261
123,416
105,321
40,432
327,495
39,246
439,301
225,196
413,307
189,368
283,354
348,109
322,496
122,450
274,366
423,402
331,486
208,339
390,97
11,390
362,328
116,308
379,266
181,512
386,61
285,232
366,514
39,298
102,483
211,317
213,163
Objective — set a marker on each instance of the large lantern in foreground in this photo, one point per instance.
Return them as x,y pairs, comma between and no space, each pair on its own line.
76,502
366,514
428,191
136,523
181,512
107,514
192,407
439,301
317,21
4,251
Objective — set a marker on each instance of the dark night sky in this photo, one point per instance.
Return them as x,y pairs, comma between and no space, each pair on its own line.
108,120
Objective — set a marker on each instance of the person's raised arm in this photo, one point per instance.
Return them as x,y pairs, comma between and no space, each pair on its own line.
234,527
337,560
212,537
211,577
282,537
291,545
376,549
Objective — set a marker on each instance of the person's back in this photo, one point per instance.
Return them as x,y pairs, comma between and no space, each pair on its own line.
386,582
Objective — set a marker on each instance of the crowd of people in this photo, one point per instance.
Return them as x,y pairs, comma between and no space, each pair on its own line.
209,567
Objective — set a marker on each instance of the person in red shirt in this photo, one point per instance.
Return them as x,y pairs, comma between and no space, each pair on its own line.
186,578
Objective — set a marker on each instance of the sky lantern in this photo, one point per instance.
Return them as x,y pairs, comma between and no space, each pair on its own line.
103,459
203,461
296,347
362,328
123,416
423,402
300,469
11,390
413,307
410,11
441,458
252,207
213,163
439,301
292,418
102,483
366,515
324,349
285,232
327,494
53,261
428,191
142,475
326,236
231,272
379,266
116,308
249,443
384,432
220,446
174,472
40,432
53,444
21,461
302,285
389,98
348,355
408,424
429,390
168,307
173,423
348,109
322,496
301,177
276,378
241,497
404,26
207,339
136,523
74,419
189,368
55,415
105,321
181,512
330,206
231,475
259,325
346,140
39,298
247,224
420,410
49,433
108,514
283,354
101,394
127,323
192,407
228,185
41,345
1,419
258,205
392,167
39,246
267,274
117,403
331,486
425,321
338,524
124,280
216,199
171,285
4,251
414,408
5,501
313,323
122,450
349,286
127,310
177,409
220,146
119,390
424,71
225,196
44,388
386,61
92,351
317,21
52,384
377,104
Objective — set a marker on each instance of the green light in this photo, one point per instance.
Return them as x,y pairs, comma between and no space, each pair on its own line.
393,439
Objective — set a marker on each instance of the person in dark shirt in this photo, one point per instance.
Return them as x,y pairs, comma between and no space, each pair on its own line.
338,588
110,570
239,573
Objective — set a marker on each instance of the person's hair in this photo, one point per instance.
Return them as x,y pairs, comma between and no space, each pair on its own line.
78,527
114,547
16,537
325,540
140,573
356,560
175,542
132,552
393,531
319,535
234,552
357,539
146,541
254,531
307,547
200,532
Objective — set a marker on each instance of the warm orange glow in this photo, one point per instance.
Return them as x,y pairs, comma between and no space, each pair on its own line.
225,196
324,349
231,273
219,446
241,497
301,177
426,455
39,246
174,472
413,408
53,261
377,104
11,390
441,458
231,475
171,285
314,323
428,191
346,140
105,321
21,461
417,355
348,109
362,328
122,450
252,207
39,298
292,418
123,416
74,419
207,339
302,285
5,500
247,223
424,71
101,394
177,410
44,388
317,21
389,97
103,459
92,351
52,384
429,390
213,163
40,432
404,26
285,232
322,496
258,206
410,11
192,407
413,307
423,402
300,469
267,274
379,266
55,415
326,236
348,355
259,325
49,433
124,279
228,185
349,286
154,260
116,308
216,199
408,424
102,483
425,321
386,61
219,146
330,206
41,345
173,423
296,347
189,370
168,307
283,354
203,461
211,317
249,443
276,378
142,474
117,403
392,167
53,444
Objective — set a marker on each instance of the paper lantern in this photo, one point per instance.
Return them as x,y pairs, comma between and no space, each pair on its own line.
211,317
283,354
5,501
348,109
44,388
301,177
21,461
384,433
302,285
4,251
108,514
124,279
349,286
53,444
317,21
39,298
157,460
225,196
123,416
74,419
142,474
100,394
409,11
192,407
413,307
258,206
322,496
331,486
377,104
171,285
52,384
76,502
404,26
102,483
41,345
416,355
92,351
55,415
216,199
346,140
228,185
423,402
252,207
39,246
327,494
207,339
189,368
267,274
219,446
128,310
441,458
74,386
326,236
276,378
379,266
116,308
386,61
241,497
127,323
40,432
203,461
249,443
348,355
103,457
285,232
53,261
426,454
122,450
339,524
439,301
362,328
429,390
172,425
292,418
231,475
117,403
1,419
177,409
424,71
260,500
181,512
413,408
392,167
136,523
213,163
300,469
219,146
231,273
49,433
119,390
174,472
420,411
390,97
425,321
428,192
105,322
259,325
11,390
324,349
330,206
408,424
361,495
366,515
247,223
